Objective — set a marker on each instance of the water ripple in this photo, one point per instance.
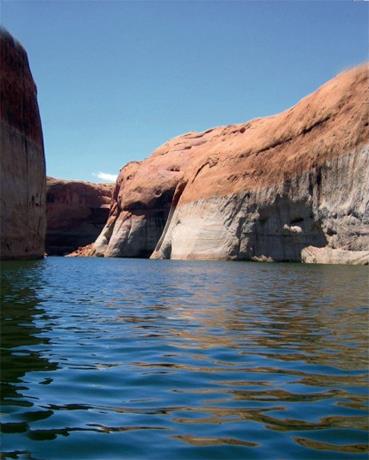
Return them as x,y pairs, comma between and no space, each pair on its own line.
110,359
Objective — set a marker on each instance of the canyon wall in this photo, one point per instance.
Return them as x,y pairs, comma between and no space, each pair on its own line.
76,214
22,161
262,190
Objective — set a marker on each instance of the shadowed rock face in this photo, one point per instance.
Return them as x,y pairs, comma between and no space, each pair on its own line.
261,190
76,213
22,161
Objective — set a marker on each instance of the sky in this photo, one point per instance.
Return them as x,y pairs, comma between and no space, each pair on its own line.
116,79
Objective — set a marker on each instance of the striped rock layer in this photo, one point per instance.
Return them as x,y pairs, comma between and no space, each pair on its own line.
261,190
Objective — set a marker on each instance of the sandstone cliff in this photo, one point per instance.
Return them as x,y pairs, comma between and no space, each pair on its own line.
22,162
76,214
261,190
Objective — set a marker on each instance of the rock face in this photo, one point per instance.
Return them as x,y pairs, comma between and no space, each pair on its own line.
311,255
76,214
22,161
261,190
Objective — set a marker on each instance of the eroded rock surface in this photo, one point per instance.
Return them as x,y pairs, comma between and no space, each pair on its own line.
22,161
312,255
261,190
76,213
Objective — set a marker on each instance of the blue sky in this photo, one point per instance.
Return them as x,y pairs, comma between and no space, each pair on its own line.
118,78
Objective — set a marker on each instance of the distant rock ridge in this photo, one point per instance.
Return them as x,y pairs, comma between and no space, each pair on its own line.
261,190
76,213
22,160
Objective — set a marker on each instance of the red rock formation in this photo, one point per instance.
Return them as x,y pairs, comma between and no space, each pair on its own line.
264,189
76,213
22,162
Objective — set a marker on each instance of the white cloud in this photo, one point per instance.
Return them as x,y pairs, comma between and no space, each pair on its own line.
105,176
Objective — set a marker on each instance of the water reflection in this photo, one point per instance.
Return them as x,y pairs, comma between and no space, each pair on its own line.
23,347
184,360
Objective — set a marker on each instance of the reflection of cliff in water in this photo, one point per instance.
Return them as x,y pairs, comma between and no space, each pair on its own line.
20,334
293,320
324,329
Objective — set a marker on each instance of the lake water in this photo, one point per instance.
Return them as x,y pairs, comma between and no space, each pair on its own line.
137,359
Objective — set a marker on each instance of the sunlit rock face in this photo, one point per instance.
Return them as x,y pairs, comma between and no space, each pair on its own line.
261,190
22,161
313,255
76,213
